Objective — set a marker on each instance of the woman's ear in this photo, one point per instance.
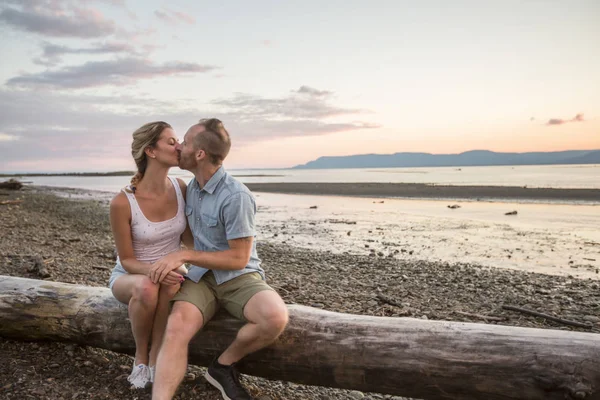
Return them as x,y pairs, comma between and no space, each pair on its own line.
149,152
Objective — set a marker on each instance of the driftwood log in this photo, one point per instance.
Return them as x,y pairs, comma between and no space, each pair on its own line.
11,184
400,356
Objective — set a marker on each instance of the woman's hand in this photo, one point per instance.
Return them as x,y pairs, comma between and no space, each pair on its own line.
173,278
166,265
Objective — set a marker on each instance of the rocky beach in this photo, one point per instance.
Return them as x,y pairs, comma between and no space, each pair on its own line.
64,235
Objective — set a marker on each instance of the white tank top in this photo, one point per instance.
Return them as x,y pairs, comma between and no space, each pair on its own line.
154,240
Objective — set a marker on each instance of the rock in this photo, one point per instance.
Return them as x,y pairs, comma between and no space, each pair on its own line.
511,213
355,394
313,207
453,206
591,318
190,376
317,305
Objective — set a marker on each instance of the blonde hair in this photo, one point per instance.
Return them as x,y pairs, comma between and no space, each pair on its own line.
144,137
215,140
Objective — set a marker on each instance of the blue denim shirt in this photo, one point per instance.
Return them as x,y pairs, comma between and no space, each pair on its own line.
224,209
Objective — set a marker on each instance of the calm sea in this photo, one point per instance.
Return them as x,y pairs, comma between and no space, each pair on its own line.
553,176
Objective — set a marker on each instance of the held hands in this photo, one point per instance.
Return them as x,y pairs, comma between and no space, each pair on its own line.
164,270
173,278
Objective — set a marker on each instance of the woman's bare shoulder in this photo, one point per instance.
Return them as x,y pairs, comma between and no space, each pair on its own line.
119,202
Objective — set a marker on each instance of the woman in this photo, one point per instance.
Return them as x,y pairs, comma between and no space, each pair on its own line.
147,220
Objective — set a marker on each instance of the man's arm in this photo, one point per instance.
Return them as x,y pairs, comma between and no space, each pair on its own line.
234,258
238,216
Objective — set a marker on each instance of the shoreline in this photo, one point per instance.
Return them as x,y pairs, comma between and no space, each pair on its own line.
407,191
432,192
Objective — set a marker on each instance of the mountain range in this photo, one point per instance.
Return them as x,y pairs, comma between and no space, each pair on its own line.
468,158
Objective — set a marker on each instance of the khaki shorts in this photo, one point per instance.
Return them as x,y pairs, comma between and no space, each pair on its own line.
233,294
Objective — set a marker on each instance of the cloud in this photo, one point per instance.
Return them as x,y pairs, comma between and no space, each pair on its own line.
558,121
305,102
578,118
50,124
174,17
123,71
38,17
313,92
8,138
52,53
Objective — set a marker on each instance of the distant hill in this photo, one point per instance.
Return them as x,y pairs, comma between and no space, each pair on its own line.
469,158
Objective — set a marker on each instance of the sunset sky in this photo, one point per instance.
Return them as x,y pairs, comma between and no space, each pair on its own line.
295,80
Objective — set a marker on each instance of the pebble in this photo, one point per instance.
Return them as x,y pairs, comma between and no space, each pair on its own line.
190,377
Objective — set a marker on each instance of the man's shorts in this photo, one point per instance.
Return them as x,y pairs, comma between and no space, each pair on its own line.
233,294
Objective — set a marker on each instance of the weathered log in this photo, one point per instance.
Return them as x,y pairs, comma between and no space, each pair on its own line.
401,356
10,202
11,184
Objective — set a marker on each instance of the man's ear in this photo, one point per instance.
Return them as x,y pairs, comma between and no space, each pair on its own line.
200,154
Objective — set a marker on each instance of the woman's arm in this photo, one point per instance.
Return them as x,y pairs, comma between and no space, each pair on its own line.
120,223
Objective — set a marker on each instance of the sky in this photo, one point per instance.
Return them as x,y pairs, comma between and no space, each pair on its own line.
296,80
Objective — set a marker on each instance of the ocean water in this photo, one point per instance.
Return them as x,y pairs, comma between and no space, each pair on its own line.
552,176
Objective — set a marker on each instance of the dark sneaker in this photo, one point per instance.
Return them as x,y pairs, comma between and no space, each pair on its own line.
227,380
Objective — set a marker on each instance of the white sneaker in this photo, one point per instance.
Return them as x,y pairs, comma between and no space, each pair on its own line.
152,370
140,376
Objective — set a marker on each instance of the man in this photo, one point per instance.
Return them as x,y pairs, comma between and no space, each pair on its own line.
226,269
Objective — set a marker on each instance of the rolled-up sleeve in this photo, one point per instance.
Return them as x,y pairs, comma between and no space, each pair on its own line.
238,212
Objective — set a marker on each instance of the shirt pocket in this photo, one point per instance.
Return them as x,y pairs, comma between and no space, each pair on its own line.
211,229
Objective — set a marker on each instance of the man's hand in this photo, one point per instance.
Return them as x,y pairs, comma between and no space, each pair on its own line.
165,266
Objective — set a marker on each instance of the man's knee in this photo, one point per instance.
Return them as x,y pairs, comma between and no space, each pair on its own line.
145,291
183,323
275,318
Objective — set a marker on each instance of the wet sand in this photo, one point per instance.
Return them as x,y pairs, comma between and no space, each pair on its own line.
420,190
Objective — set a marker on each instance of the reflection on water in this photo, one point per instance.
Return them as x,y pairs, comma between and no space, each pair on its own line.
555,176
545,238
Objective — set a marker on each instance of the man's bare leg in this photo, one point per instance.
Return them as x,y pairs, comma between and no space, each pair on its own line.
165,294
267,317
183,323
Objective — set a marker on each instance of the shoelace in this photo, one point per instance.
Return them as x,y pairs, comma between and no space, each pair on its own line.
139,370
